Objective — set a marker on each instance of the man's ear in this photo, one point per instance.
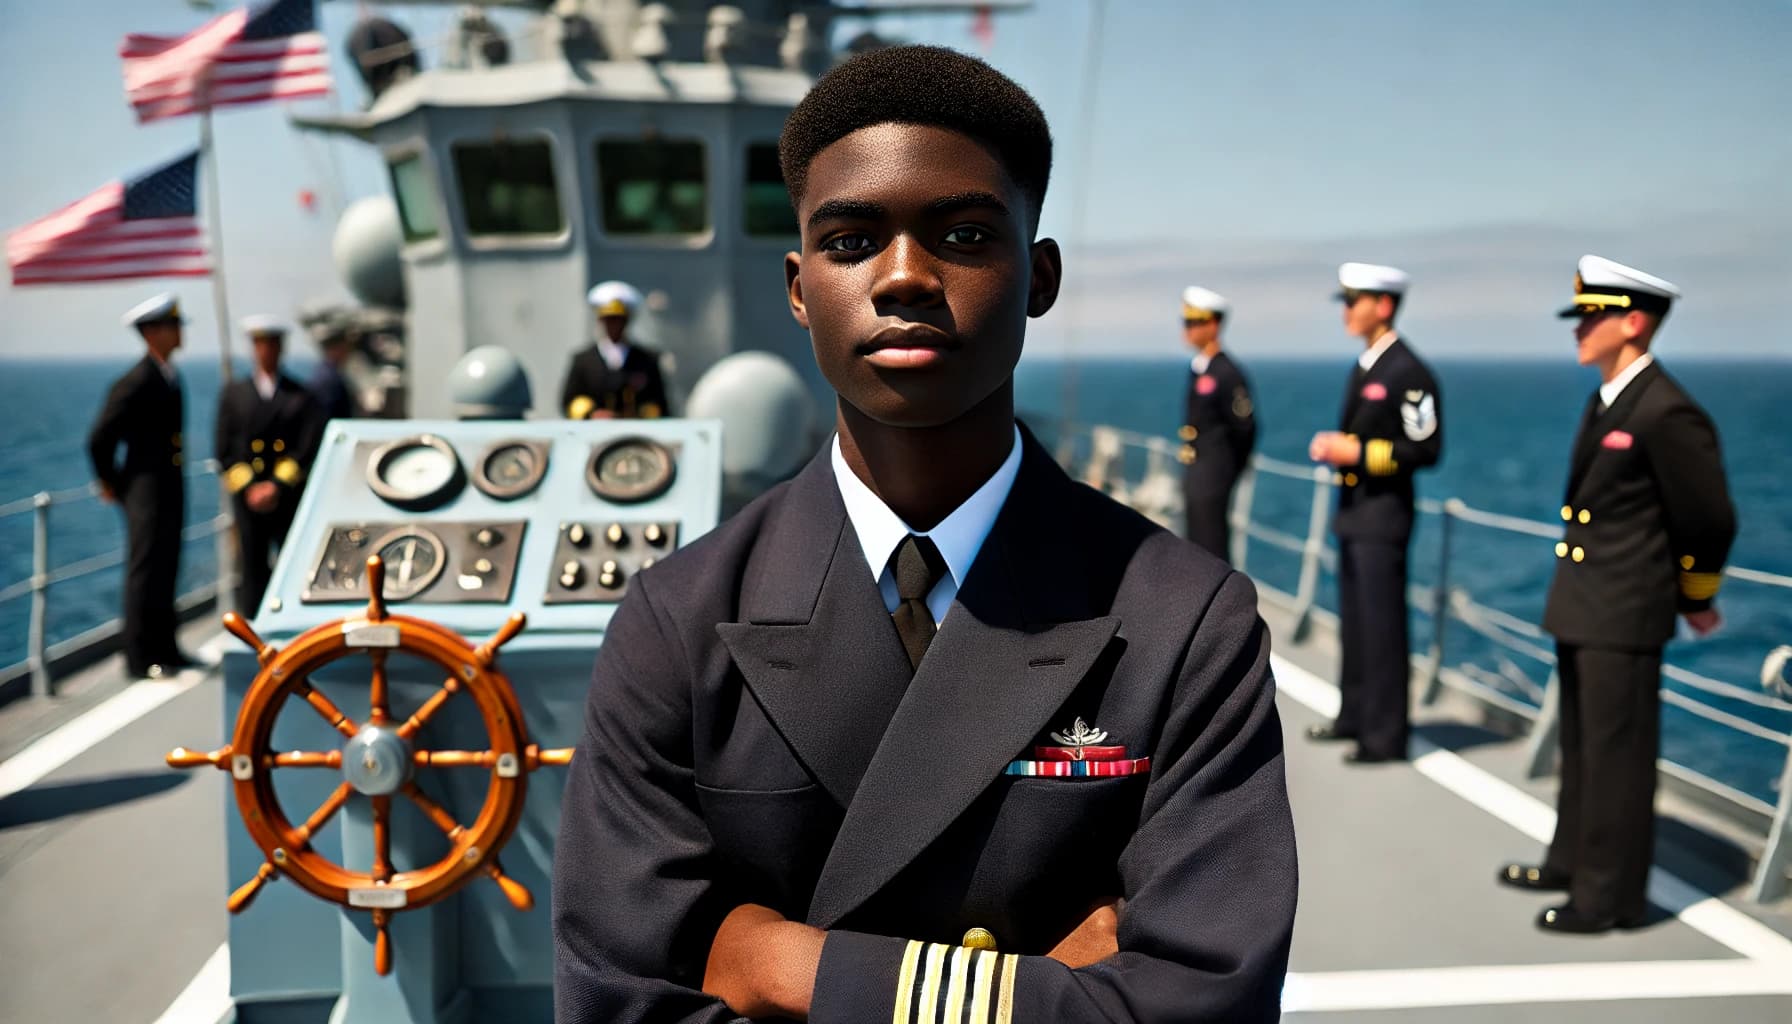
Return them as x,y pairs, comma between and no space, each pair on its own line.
1048,277
793,288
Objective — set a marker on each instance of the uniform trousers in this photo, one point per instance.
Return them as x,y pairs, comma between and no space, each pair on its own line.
1373,623
154,507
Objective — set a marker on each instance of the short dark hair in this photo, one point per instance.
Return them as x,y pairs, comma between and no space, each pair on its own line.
923,85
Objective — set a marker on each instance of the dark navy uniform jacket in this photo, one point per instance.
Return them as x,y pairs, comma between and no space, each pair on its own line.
635,391
1395,409
753,735
144,411
1649,519
1219,426
273,439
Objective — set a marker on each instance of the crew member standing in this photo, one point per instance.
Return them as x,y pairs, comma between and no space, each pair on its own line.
1391,426
268,430
1648,527
144,412
329,386
1219,429
614,378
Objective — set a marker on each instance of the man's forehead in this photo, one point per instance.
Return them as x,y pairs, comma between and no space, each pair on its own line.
907,163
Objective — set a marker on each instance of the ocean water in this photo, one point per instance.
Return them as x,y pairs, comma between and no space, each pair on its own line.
1508,429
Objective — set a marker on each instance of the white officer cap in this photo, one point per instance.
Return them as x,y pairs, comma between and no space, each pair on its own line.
1371,277
614,298
263,323
1600,284
1200,304
163,308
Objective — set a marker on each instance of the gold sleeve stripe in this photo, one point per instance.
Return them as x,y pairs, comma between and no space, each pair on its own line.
955,983
238,477
981,986
1700,586
1379,458
905,983
288,472
580,407
930,981
1005,993
651,411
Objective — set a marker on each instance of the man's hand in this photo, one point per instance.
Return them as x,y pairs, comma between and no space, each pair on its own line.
600,414
1706,622
107,494
263,496
762,965
1336,449
1096,939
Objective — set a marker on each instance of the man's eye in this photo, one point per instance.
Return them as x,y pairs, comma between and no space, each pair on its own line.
853,245
968,234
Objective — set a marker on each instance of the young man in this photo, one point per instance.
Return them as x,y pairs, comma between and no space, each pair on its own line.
1391,427
268,431
143,411
929,729
1218,426
1649,524
614,378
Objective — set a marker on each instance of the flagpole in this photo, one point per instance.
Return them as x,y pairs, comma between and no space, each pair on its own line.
221,308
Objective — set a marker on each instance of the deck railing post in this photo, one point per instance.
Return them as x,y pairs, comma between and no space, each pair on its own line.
1440,602
36,644
1308,591
1776,859
1242,500
1540,745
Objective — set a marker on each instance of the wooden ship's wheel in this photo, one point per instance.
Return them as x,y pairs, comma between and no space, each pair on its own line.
377,760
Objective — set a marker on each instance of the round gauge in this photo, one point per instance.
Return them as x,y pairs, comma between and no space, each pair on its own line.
416,473
414,557
631,469
510,469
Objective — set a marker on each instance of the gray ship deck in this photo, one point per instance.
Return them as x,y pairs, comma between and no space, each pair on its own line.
112,879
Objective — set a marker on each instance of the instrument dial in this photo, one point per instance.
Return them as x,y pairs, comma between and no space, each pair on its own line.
511,469
415,473
631,469
414,557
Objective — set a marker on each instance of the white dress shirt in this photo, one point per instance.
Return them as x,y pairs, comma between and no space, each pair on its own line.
264,386
1611,389
615,353
959,536
167,368
1373,352
1200,363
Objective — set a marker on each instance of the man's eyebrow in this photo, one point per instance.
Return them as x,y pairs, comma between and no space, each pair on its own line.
851,209
968,201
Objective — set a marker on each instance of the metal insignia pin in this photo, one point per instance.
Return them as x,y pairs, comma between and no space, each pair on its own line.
1079,735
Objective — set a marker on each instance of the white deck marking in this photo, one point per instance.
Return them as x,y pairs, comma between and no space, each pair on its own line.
206,999
1704,913
95,725
1532,983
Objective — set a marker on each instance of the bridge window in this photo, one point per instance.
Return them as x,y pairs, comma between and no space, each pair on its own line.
653,187
765,201
507,188
416,197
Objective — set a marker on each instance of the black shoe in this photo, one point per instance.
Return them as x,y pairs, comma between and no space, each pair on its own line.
1361,756
1328,733
179,659
1534,879
157,672
1569,921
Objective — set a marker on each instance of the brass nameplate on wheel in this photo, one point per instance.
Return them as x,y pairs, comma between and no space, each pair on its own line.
381,897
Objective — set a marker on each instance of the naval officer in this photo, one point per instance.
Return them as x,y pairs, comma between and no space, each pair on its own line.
268,430
930,731
1391,426
1219,428
1647,527
143,411
613,377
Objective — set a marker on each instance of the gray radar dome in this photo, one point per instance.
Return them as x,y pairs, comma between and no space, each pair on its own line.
489,383
768,418
366,247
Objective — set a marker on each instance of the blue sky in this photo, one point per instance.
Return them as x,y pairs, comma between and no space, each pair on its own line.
1245,146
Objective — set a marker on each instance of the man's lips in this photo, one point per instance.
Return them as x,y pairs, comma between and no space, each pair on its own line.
908,346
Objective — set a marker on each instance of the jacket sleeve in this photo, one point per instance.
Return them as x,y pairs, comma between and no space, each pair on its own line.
1209,878
230,446
109,429
1241,411
634,907
654,393
1688,464
307,429
1420,440
575,403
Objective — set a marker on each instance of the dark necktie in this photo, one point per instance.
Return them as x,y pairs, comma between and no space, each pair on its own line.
919,567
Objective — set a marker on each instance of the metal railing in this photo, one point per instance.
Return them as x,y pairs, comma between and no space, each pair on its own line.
1139,469
40,653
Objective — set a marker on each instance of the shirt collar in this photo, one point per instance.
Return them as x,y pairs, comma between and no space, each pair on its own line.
1610,390
1200,362
163,365
1374,352
615,353
959,536
265,384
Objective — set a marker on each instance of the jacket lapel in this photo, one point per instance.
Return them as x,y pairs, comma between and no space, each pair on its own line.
1011,650
815,644
1595,425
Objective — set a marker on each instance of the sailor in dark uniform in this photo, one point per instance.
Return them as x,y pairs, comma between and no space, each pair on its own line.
614,378
1391,426
1648,525
268,430
328,385
144,412
1219,428
931,731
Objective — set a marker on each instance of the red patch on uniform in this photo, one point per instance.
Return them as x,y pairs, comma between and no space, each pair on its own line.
1375,391
1205,385
1617,440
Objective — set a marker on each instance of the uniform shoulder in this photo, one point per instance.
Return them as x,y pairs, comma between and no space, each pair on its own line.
1411,364
1666,396
697,569
1131,544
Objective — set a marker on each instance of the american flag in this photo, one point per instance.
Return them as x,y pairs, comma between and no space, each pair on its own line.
142,227
240,57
